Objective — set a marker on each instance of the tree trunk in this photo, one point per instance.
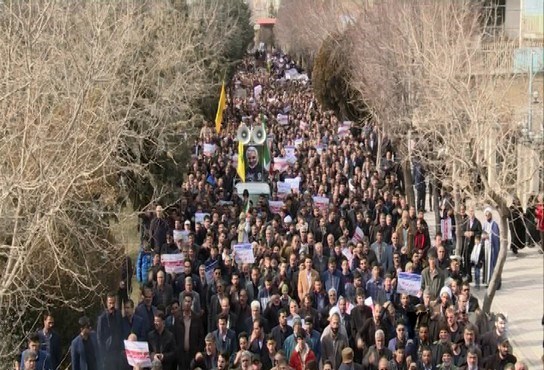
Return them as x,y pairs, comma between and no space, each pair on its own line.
459,237
408,182
492,288
379,153
436,206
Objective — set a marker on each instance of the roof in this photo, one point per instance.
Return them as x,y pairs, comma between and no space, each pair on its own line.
266,21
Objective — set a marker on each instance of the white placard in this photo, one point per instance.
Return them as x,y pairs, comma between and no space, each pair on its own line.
199,216
257,90
137,354
173,263
290,154
343,129
409,283
347,253
358,235
209,272
280,164
283,119
275,206
322,203
298,142
209,150
319,148
180,235
284,188
294,183
445,227
243,253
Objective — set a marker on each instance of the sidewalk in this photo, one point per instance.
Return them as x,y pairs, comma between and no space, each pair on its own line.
521,299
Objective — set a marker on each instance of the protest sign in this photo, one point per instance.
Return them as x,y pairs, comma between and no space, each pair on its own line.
298,142
243,253
445,227
320,148
137,354
209,150
409,283
275,206
283,119
209,271
199,216
294,184
343,129
358,235
257,90
284,188
173,262
280,164
322,203
290,154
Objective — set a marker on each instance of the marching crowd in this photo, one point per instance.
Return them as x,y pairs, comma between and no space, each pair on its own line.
324,291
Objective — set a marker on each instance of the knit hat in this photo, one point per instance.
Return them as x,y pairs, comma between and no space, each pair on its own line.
445,290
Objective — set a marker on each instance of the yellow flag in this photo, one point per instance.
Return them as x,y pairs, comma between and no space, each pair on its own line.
220,107
241,168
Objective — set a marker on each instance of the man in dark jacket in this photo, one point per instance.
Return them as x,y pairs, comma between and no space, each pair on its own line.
189,334
162,345
50,340
109,331
84,347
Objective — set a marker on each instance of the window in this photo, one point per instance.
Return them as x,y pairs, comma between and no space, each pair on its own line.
494,12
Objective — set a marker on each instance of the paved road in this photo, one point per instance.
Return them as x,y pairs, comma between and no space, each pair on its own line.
521,298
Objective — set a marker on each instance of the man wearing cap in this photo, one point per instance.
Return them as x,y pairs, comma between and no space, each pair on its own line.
502,357
84,347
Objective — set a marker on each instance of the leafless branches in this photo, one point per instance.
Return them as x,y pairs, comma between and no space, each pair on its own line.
85,89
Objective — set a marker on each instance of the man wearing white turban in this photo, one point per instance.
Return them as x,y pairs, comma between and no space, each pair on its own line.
491,253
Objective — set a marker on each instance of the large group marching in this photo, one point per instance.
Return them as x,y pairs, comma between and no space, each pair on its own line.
343,272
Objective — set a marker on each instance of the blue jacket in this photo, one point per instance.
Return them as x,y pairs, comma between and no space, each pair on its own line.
143,264
136,327
77,352
147,318
109,332
43,362
52,346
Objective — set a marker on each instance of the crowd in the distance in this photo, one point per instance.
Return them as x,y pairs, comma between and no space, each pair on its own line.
323,292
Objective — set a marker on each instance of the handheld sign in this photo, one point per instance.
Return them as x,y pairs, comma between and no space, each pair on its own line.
137,354
409,283
243,253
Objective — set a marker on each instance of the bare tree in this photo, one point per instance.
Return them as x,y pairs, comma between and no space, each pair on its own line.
304,24
423,67
88,91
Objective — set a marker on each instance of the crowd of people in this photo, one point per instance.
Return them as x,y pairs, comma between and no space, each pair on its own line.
324,291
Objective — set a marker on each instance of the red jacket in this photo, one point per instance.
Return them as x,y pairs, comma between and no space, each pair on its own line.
296,360
540,216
